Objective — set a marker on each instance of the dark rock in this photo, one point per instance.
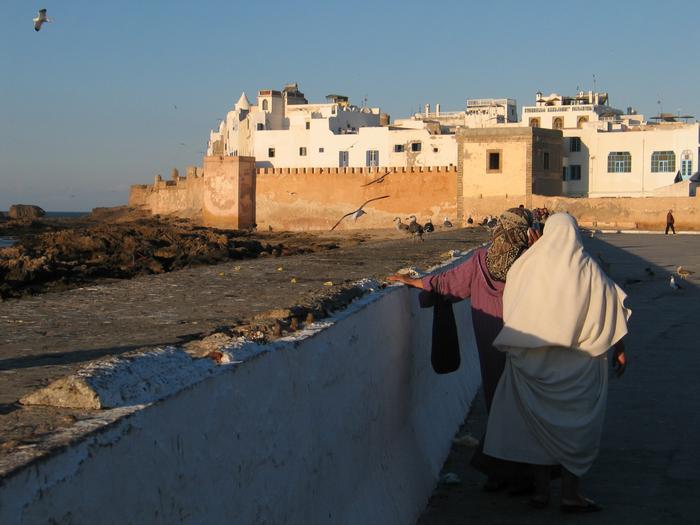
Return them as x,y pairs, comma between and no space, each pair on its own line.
25,212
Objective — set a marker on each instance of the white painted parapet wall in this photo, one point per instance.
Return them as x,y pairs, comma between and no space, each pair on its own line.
347,424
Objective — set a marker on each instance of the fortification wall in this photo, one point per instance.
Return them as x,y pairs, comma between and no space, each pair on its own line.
316,198
647,213
346,424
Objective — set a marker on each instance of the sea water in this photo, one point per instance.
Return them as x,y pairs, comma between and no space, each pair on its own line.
6,241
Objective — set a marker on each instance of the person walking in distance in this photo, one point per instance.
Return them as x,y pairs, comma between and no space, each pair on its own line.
670,222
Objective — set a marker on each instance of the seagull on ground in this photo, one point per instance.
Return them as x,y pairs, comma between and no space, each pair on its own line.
683,273
414,228
446,223
592,234
359,212
428,226
673,284
400,225
40,19
470,220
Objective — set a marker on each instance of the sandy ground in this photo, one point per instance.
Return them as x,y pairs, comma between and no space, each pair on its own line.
648,470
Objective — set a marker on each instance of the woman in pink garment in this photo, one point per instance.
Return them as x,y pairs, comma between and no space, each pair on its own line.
481,278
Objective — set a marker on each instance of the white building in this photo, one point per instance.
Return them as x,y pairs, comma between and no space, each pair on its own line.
283,130
609,152
479,113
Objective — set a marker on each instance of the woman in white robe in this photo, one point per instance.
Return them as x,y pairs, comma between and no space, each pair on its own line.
561,315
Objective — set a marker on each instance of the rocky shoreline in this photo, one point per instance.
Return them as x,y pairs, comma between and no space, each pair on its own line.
59,253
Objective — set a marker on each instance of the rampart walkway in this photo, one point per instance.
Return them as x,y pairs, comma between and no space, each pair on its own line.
648,470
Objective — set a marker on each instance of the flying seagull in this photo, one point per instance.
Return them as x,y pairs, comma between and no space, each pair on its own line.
359,212
40,19
378,180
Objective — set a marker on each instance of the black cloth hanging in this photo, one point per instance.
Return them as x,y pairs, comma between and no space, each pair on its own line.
444,353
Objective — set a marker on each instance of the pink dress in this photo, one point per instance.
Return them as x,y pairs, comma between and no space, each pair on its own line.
471,280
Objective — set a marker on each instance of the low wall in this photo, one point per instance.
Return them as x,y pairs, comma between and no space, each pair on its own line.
346,425
643,213
315,199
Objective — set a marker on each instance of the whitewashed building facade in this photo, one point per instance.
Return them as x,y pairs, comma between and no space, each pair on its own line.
611,153
283,130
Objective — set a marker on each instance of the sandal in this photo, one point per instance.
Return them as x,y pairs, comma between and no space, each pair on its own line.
588,506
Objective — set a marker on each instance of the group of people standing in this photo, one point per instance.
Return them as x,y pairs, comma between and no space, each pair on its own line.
544,316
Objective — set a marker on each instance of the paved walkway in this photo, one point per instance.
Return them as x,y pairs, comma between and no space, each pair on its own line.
648,470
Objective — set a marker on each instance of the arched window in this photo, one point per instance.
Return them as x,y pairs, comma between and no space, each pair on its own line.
265,105
663,162
558,123
619,162
581,121
534,122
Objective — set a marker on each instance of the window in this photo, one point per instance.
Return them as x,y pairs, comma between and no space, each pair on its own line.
343,159
308,125
663,162
398,148
261,127
321,150
581,121
265,105
270,152
494,161
302,152
372,159
415,146
563,173
575,172
686,164
545,160
534,122
435,150
574,144
558,123
619,162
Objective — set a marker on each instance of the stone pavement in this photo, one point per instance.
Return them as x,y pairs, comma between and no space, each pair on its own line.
648,470
53,334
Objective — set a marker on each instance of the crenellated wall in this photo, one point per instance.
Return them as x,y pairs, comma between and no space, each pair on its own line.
316,198
306,198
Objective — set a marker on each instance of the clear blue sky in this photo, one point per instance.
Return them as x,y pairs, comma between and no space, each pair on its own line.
86,105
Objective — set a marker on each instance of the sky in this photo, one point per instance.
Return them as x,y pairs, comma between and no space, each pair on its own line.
112,93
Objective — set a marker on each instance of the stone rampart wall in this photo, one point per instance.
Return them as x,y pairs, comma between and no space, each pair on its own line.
316,198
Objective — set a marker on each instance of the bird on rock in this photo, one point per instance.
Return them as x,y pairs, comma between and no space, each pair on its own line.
446,223
41,19
428,226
